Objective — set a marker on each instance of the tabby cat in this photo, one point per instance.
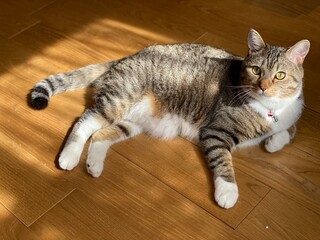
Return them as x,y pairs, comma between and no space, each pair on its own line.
196,91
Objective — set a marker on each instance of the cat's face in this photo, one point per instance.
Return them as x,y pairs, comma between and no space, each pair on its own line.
273,73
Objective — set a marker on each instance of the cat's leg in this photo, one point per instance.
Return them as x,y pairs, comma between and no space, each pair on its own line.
226,189
277,141
89,122
103,139
217,145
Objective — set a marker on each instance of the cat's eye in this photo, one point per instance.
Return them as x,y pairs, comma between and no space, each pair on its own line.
280,75
256,70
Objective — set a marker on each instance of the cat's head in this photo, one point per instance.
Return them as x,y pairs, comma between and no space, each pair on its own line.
275,74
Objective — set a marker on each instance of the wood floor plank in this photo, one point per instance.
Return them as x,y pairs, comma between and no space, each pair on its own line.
235,47
27,197
11,228
26,180
308,137
108,26
28,6
180,165
16,17
277,217
127,203
57,49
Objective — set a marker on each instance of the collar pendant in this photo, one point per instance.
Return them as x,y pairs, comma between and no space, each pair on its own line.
273,116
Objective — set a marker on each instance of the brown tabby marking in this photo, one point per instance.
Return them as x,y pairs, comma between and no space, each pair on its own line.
156,106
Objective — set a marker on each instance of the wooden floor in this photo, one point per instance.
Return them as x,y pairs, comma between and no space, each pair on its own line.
149,189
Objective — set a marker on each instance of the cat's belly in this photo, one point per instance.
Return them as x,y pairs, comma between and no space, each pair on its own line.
169,126
165,126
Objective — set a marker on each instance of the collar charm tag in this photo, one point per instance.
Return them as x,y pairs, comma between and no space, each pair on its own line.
273,116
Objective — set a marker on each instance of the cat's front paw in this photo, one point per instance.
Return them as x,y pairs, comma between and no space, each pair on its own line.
69,157
226,193
277,141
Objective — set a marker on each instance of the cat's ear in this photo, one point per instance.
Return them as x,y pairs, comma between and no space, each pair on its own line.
298,52
255,41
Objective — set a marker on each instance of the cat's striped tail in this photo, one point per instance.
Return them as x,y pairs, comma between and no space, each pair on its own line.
63,82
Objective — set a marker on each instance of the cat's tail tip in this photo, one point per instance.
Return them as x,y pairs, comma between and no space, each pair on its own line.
38,98
39,103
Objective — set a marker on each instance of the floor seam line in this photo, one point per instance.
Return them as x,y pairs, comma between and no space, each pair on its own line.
186,197
253,209
42,7
49,209
24,29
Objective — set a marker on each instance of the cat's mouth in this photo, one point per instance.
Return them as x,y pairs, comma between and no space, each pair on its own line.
268,101
262,96
258,92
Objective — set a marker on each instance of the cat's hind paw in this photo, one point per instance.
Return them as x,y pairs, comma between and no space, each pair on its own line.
69,157
94,168
96,155
226,193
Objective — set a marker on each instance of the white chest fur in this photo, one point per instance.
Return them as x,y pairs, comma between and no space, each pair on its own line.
286,116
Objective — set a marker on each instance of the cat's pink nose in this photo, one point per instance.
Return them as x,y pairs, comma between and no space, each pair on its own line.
263,88
264,85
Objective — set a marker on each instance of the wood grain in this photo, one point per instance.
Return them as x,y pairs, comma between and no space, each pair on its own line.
12,228
16,17
180,165
270,220
128,203
132,20
22,185
24,174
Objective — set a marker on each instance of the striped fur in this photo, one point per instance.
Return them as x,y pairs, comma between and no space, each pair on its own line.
196,91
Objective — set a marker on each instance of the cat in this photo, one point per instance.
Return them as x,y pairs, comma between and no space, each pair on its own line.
199,92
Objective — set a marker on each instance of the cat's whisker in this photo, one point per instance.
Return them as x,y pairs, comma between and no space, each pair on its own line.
238,96
235,98
242,98
243,86
245,98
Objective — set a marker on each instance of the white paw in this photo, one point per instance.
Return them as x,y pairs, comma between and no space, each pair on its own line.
70,156
96,156
277,141
226,193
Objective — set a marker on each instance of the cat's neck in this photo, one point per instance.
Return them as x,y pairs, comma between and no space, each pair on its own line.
270,108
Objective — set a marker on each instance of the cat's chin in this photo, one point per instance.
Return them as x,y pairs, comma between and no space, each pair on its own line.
274,103
268,102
